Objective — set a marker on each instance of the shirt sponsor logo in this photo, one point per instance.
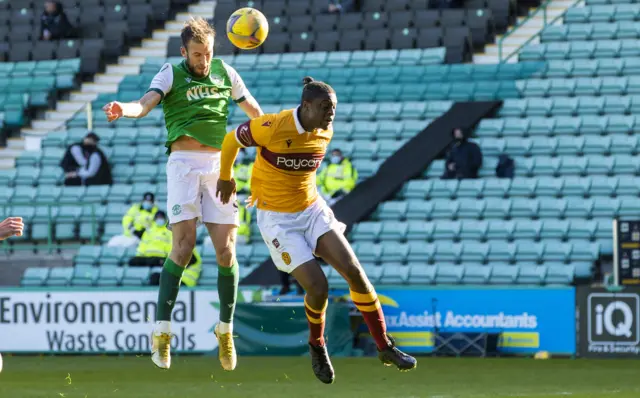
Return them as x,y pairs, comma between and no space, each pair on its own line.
293,161
202,92
297,164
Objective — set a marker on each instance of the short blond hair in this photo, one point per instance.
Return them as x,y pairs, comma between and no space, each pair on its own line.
198,30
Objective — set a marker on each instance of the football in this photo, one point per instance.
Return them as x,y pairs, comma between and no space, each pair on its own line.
247,28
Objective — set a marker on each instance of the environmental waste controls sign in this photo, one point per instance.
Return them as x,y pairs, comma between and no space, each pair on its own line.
102,321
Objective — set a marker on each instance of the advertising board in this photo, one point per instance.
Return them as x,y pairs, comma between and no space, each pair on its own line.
527,320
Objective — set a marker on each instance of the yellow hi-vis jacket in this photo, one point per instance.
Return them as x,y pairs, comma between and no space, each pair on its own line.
242,175
156,242
138,217
245,221
336,177
192,273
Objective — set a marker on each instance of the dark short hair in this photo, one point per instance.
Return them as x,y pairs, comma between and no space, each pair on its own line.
93,136
160,213
315,89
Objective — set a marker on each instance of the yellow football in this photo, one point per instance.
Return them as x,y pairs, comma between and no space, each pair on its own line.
247,28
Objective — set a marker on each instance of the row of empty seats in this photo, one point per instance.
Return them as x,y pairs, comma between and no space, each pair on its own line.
469,231
511,208
343,59
602,13
553,146
591,31
615,127
475,252
392,274
539,186
544,166
579,49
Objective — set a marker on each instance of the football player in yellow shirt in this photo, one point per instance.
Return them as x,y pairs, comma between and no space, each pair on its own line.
296,223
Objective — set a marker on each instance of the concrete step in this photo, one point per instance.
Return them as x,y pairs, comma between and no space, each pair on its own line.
32,132
123,69
99,88
164,34
15,143
57,115
154,43
148,52
80,96
48,125
69,105
174,26
9,152
203,7
130,61
108,78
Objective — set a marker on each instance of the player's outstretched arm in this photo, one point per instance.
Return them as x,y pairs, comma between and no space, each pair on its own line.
137,109
226,184
251,107
12,226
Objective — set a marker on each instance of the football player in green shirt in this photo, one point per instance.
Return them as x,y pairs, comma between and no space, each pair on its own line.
195,95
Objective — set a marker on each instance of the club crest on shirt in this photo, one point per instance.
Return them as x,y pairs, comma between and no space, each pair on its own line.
286,258
215,79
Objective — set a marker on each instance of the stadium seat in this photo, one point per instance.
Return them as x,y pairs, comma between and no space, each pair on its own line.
35,276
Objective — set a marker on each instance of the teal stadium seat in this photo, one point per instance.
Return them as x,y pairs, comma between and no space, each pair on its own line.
35,276
84,276
60,276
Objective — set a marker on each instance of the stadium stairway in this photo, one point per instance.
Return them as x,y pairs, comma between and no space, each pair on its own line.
107,82
523,32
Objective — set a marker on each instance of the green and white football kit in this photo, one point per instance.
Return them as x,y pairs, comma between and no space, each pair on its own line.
197,108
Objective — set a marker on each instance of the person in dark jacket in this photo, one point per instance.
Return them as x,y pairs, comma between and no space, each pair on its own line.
464,158
85,164
54,24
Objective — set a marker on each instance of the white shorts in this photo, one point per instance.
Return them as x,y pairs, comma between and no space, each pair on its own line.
192,177
292,237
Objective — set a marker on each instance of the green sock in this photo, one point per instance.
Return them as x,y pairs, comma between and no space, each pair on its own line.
169,287
228,278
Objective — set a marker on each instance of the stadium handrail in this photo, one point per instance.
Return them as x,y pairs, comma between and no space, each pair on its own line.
50,222
546,22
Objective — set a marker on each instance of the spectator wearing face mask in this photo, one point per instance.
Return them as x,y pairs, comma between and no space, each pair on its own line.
140,216
85,164
338,178
464,159
155,246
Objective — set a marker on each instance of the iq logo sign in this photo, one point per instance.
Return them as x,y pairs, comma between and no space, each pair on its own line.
612,324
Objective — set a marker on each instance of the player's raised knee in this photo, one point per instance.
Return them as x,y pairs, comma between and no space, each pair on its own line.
355,276
225,256
182,248
318,289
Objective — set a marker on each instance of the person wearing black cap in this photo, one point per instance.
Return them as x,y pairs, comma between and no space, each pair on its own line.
140,216
85,164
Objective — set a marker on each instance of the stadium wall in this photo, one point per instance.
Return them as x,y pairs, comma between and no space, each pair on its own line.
119,320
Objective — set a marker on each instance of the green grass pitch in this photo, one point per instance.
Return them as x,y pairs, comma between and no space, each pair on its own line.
263,377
